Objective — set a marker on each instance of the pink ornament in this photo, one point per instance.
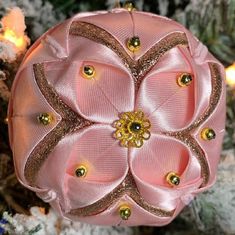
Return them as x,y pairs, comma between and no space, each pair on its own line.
118,118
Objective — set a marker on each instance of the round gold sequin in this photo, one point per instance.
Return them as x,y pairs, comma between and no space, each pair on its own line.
184,79
125,212
88,71
133,44
45,118
173,179
81,171
132,129
208,134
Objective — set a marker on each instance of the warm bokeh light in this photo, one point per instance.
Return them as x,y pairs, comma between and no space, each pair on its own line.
10,36
230,75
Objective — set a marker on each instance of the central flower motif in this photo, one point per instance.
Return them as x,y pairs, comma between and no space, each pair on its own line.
132,129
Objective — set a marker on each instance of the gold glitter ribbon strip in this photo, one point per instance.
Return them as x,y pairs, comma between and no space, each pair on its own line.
70,122
138,68
127,187
185,136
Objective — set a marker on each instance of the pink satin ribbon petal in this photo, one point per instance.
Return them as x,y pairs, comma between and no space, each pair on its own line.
99,99
82,192
111,215
213,148
160,96
28,132
163,197
84,51
99,152
150,171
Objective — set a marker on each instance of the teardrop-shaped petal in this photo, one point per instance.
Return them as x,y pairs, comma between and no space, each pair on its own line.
96,149
154,160
99,98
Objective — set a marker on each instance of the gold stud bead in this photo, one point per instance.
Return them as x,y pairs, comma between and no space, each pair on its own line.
129,6
45,118
88,71
184,79
81,171
125,212
133,44
208,134
173,179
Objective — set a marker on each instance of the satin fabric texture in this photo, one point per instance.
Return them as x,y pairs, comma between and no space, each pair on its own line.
168,107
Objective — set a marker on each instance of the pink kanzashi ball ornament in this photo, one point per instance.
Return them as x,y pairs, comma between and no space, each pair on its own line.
117,118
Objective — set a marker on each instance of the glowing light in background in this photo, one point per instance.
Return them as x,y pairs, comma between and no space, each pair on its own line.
13,30
10,36
230,75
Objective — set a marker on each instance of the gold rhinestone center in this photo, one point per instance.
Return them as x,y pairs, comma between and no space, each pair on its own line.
132,129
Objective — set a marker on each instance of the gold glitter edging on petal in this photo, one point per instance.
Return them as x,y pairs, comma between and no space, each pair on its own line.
216,80
138,68
70,122
128,187
185,136
195,148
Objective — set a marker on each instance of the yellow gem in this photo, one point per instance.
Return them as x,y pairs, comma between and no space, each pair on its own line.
129,6
45,118
125,212
184,79
132,129
81,171
88,71
133,44
208,134
173,179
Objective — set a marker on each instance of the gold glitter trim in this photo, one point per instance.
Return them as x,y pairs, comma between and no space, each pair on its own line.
216,80
70,122
185,136
128,187
195,148
138,68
